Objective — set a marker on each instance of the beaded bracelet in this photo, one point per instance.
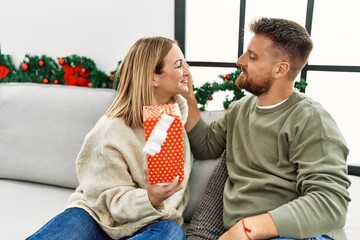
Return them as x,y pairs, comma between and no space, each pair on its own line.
246,230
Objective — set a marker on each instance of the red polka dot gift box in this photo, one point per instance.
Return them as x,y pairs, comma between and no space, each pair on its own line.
164,146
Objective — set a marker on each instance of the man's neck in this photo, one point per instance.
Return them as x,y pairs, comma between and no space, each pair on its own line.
273,98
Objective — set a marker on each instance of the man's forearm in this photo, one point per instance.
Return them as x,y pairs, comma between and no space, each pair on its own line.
262,226
194,112
255,227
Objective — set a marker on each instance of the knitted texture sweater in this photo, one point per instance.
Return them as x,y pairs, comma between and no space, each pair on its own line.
110,168
289,160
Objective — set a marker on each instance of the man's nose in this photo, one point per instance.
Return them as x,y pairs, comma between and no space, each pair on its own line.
240,61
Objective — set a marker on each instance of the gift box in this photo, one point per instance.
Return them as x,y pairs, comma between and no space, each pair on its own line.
164,146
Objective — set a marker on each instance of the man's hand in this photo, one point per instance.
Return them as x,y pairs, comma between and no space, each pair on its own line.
194,112
236,232
189,81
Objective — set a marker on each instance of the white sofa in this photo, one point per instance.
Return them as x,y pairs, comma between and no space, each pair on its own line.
42,128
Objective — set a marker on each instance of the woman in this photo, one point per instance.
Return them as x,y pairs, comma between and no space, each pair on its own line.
114,199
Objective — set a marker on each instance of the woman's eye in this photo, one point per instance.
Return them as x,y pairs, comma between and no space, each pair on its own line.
251,57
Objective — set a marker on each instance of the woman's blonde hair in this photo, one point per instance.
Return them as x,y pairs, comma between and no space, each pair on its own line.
135,75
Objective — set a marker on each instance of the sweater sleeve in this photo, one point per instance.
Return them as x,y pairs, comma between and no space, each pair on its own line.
323,195
124,199
208,141
319,152
110,171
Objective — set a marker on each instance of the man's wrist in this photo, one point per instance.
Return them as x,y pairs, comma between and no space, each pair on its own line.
260,226
247,230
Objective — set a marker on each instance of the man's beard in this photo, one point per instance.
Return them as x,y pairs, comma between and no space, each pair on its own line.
257,89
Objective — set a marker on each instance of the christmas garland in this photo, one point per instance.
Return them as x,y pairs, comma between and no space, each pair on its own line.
71,70
204,94
38,69
7,67
81,71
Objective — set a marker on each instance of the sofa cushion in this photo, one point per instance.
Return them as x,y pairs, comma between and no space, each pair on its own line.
43,127
207,221
28,206
352,226
200,176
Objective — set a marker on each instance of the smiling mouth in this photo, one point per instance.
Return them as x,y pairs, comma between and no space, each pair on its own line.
184,82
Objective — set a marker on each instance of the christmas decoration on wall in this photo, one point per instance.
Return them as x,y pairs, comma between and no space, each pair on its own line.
7,67
38,69
115,77
205,93
82,71
301,85
70,70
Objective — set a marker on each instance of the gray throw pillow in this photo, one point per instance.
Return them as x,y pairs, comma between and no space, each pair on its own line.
207,221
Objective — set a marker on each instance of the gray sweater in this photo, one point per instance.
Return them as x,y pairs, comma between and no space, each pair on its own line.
289,160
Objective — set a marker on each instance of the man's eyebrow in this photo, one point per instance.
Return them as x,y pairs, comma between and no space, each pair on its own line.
179,60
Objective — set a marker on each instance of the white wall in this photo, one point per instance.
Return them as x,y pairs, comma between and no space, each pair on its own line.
100,30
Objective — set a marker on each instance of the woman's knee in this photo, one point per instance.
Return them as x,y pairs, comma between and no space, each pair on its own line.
164,229
174,230
73,223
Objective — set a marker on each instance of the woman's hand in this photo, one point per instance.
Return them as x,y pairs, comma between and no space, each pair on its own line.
157,194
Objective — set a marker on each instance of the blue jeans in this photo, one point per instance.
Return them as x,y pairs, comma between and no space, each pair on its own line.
164,229
322,237
77,224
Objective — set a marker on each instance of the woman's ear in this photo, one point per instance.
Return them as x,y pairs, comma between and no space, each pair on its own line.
155,81
281,69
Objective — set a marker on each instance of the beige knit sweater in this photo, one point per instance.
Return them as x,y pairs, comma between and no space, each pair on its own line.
110,169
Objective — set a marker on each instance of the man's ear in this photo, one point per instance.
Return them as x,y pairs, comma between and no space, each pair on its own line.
281,69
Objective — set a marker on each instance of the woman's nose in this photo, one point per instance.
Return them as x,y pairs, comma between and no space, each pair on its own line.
186,71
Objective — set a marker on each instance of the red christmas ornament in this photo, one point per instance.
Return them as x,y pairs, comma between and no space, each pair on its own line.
56,81
41,63
24,66
89,84
4,71
227,77
61,61
83,70
210,98
45,81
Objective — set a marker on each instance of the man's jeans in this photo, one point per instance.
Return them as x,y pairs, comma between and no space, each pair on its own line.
77,224
322,237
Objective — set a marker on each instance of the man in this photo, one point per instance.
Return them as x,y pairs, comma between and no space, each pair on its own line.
285,156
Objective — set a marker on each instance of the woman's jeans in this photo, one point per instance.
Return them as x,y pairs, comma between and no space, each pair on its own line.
77,224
